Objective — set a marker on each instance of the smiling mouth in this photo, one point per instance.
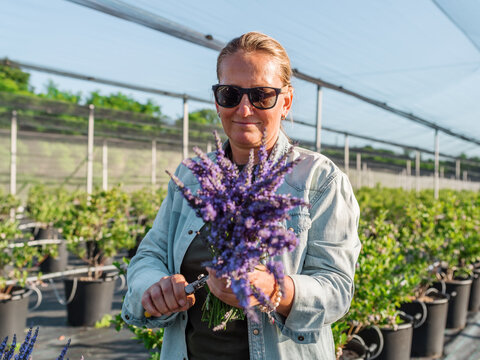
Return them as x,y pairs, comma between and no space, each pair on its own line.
246,122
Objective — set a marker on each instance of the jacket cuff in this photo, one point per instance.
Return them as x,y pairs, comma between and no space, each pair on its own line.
298,336
152,322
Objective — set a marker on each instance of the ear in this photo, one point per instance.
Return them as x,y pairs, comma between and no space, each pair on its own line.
287,101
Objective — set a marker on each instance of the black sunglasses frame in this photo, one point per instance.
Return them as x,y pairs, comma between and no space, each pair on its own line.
247,91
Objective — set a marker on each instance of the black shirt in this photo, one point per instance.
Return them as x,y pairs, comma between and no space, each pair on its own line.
203,342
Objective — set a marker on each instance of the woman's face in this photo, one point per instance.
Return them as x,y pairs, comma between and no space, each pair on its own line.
244,124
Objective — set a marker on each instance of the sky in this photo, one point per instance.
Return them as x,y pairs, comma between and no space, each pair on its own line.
409,54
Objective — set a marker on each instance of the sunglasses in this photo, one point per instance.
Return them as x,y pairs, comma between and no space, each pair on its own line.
262,97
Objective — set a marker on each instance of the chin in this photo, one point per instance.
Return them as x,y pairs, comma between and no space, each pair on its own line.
248,139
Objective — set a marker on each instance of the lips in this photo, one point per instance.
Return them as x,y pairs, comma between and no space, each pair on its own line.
246,122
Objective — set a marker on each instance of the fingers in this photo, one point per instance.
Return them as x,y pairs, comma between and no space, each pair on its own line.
167,296
218,286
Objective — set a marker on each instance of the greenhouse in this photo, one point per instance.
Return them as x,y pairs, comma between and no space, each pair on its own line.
350,231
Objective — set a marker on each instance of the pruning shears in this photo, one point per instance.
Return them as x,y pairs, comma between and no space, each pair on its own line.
190,288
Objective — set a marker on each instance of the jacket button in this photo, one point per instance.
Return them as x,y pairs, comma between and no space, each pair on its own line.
256,331
301,338
190,232
127,317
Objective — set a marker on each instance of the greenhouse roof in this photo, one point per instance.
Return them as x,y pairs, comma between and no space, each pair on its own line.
421,57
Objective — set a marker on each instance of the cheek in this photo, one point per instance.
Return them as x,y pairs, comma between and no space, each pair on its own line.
272,120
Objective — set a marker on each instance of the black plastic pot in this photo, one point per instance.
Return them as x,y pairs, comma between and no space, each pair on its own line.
428,336
474,300
355,349
53,264
397,343
91,300
459,292
366,345
13,313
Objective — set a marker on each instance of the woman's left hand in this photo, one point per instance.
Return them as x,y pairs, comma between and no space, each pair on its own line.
261,279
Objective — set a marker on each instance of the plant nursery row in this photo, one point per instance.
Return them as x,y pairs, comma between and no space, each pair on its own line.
417,274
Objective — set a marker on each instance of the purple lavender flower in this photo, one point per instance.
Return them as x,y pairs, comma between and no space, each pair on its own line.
64,351
244,214
25,349
9,351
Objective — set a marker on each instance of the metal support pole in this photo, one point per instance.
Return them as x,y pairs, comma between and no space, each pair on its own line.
91,121
185,128
417,171
435,176
318,137
13,154
364,174
105,165
457,169
409,173
154,162
359,170
347,156
209,147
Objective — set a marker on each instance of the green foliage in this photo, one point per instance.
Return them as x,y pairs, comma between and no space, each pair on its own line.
100,220
14,261
54,93
341,336
14,80
119,101
8,205
144,207
201,117
409,240
457,224
49,206
381,277
152,339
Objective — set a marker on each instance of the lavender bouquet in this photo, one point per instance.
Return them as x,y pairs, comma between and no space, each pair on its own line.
244,217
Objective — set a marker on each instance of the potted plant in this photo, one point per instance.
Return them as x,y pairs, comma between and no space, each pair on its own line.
48,207
454,270
421,244
144,207
96,229
15,261
470,217
382,283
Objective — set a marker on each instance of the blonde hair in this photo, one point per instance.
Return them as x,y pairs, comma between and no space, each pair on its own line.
256,41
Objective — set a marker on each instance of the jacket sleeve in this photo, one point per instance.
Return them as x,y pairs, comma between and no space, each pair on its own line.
324,287
149,265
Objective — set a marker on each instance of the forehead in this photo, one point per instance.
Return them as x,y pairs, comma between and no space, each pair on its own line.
249,69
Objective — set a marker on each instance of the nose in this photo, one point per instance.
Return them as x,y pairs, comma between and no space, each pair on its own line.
245,108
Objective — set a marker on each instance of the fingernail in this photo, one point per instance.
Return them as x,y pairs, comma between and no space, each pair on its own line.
181,302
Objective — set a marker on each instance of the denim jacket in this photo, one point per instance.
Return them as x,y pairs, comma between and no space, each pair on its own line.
322,266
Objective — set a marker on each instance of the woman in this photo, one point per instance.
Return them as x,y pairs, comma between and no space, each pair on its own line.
253,95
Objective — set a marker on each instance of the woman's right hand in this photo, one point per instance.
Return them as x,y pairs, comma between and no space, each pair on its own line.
167,296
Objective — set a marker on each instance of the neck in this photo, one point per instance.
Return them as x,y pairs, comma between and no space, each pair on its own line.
240,155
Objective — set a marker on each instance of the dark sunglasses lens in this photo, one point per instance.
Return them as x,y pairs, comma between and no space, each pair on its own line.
228,96
263,98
